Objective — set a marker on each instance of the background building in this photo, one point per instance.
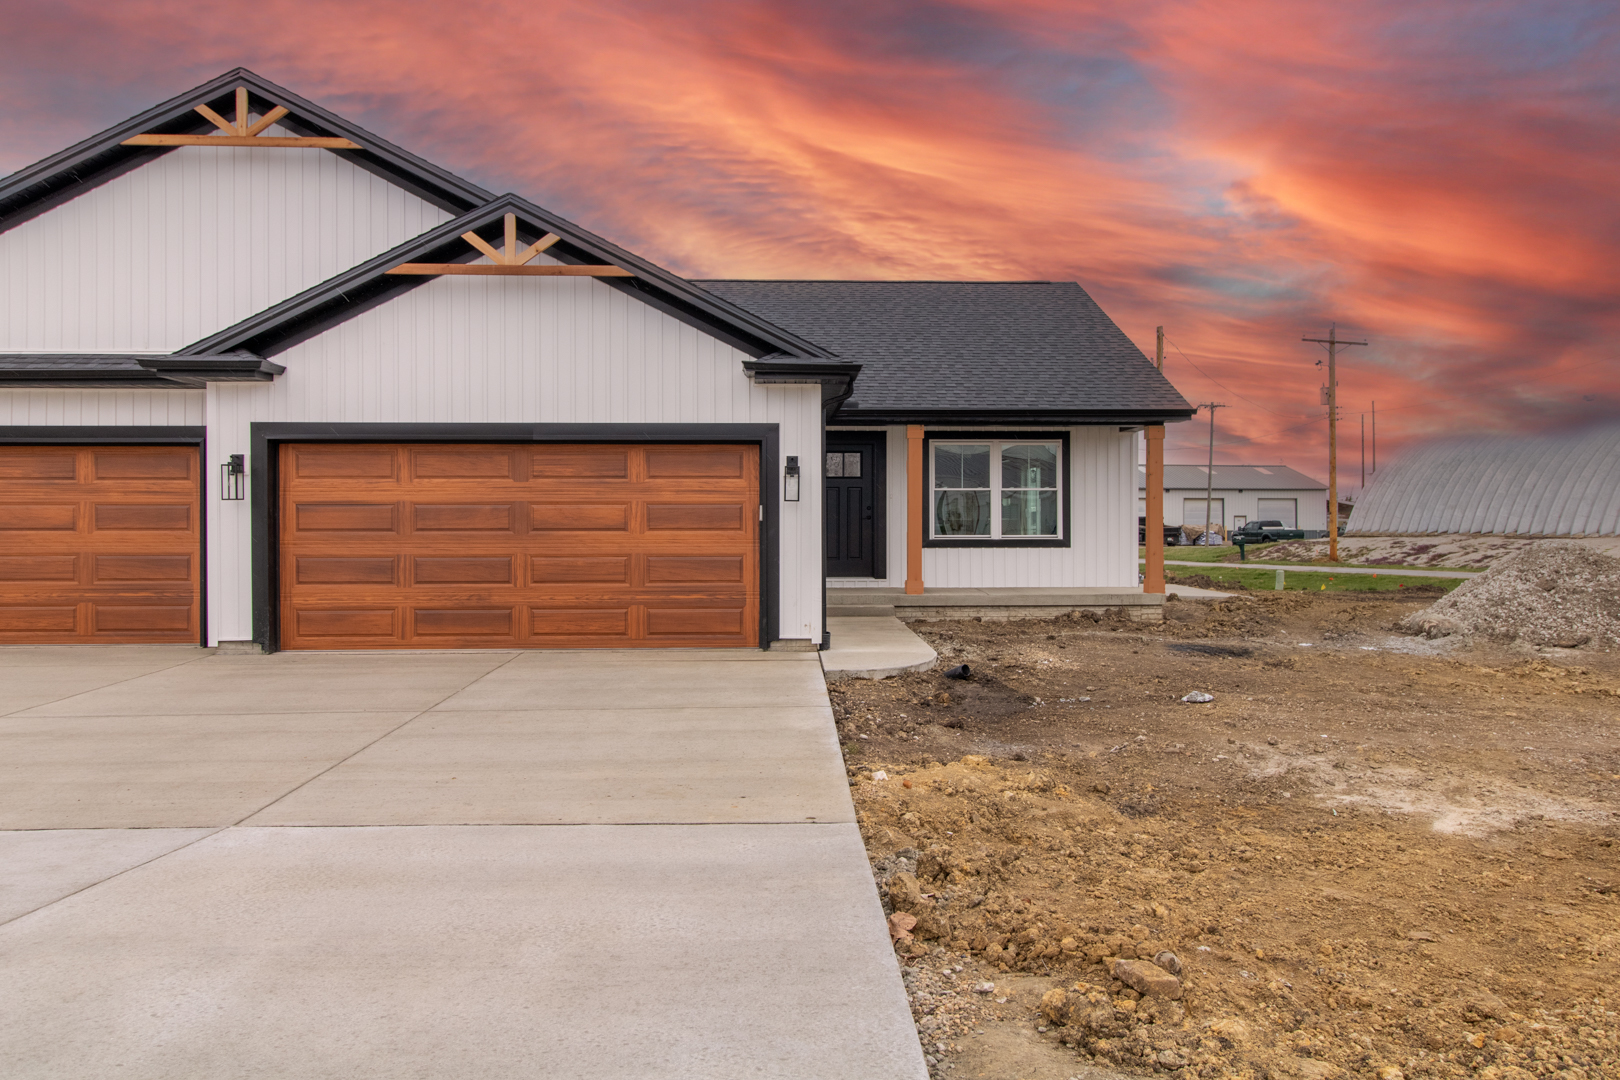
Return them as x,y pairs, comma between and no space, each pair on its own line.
1242,493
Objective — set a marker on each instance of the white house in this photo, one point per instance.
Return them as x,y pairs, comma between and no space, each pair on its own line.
1242,493
266,377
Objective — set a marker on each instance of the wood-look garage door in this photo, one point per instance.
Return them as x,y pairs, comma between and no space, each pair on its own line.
99,544
559,546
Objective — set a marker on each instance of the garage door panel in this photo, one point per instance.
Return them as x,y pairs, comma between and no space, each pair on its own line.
464,622
141,517
47,568
708,463
130,464
39,517
140,568
462,570
476,464
464,517
696,517
334,625
22,619
345,570
580,463
526,545
579,517
47,466
346,517
100,544
579,569
562,625
140,619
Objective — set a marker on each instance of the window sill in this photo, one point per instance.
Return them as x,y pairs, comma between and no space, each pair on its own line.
989,542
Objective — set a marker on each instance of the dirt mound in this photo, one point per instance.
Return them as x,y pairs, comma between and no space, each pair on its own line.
1558,594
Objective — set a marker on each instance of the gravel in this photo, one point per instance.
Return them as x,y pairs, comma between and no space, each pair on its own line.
1550,594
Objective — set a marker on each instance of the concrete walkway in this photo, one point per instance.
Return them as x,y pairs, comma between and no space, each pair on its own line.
479,865
1316,568
874,647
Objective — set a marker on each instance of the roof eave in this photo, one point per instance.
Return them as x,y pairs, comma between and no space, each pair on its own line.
1014,417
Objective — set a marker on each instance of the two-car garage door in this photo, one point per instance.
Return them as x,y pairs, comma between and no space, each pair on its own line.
528,545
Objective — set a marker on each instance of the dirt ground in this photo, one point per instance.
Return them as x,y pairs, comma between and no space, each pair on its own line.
1371,854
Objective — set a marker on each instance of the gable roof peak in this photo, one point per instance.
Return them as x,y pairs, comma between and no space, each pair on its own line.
63,176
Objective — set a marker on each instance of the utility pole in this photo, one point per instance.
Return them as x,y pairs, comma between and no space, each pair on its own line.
1158,357
1375,438
1209,493
1333,343
1364,451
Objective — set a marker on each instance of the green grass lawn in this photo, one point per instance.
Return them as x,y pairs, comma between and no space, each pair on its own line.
1312,580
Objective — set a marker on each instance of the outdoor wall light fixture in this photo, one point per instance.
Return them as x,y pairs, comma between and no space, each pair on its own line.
233,479
790,480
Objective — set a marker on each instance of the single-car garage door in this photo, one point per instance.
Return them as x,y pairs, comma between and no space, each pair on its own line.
533,545
99,544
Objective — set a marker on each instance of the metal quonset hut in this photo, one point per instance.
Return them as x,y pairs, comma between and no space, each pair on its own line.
265,376
1507,485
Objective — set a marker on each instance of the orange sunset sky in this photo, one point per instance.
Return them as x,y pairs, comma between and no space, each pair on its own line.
1442,178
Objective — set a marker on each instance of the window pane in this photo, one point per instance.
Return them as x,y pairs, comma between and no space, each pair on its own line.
835,464
962,513
961,465
852,464
1029,513
1029,466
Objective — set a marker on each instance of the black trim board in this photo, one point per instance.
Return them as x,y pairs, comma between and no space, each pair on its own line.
90,435
1013,417
1066,489
64,176
367,285
264,488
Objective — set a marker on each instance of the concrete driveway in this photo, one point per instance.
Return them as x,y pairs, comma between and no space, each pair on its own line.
479,865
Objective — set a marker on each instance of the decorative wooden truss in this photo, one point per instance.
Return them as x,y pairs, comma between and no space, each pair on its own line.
509,261
241,133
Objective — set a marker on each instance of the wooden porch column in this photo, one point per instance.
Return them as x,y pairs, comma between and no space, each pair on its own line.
916,508
1153,573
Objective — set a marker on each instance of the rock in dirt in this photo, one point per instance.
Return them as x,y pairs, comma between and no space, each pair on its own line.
1484,1005
1055,1006
1147,978
905,894
1169,961
1551,593
1198,697
900,924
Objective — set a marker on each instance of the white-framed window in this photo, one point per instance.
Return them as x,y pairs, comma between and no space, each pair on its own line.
995,489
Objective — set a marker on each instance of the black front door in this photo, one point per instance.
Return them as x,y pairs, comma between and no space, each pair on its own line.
853,478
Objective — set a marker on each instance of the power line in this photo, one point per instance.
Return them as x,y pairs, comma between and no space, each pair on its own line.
1220,384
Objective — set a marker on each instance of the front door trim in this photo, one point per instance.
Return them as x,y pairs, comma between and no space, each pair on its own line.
878,442
264,487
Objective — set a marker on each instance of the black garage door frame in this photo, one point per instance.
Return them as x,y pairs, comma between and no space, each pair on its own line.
111,435
265,490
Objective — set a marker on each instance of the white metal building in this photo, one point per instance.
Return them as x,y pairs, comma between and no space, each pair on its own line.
273,379
1505,485
1242,493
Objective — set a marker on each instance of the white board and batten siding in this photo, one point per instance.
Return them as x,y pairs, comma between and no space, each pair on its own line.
1101,552
100,408
526,350
194,242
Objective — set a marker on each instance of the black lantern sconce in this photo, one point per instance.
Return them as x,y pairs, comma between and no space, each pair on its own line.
233,479
790,480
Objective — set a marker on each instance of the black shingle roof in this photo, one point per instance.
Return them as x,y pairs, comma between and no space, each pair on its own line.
934,349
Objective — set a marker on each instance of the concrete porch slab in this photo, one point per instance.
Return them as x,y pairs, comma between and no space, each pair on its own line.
994,603
44,865
874,648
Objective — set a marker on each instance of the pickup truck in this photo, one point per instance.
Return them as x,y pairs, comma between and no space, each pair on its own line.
1265,532
1172,533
